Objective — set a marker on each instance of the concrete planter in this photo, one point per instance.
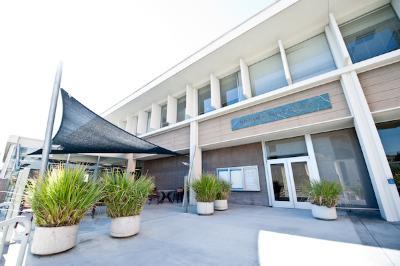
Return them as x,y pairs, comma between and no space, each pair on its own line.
51,240
221,205
324,213
205,208
125,226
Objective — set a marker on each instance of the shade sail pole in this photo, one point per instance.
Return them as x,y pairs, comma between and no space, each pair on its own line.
50,120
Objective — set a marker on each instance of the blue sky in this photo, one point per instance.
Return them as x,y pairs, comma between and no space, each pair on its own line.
109,49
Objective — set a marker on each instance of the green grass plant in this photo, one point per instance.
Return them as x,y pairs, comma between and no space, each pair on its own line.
324,193
206,188
223,190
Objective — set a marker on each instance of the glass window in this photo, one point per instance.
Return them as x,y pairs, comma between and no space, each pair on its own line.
373,34
242,178
148,129
310,58
181,109
267,75
339,158
163,116
231,89
205,100
389,133
285,148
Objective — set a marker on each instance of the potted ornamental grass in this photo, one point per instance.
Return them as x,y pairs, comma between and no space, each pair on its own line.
205,189
59,201
125,197
324,196
223,192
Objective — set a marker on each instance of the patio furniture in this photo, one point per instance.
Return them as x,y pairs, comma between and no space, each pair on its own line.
178,196
166,193
154,195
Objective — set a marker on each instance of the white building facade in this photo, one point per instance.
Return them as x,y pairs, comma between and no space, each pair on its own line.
305,90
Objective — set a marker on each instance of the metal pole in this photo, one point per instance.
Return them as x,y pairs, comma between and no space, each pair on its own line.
50,121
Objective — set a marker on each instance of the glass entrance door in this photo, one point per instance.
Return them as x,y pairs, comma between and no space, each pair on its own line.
289,180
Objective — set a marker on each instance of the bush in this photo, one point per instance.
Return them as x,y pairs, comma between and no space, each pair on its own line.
223,190
123,195
324,193
63,197
205,188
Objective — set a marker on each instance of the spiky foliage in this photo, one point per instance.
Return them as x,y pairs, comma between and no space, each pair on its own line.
62,197
205,188
124,195
324,193
223,190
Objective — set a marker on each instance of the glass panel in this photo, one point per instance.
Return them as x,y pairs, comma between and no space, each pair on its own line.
372,34
181,109
205,100
301,180
237,178
390,137
310,58
231,89
285,148
164,116
279,182
267,75
223,174
148,129
339,158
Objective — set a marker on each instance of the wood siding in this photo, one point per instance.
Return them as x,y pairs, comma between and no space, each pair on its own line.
243,155
219,129
175,140
382,87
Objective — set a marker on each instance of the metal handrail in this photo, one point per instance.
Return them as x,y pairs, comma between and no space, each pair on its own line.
27,224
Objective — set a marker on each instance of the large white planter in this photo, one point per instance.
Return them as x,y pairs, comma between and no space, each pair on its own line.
221,205
51,240
125,226
205,208
324,213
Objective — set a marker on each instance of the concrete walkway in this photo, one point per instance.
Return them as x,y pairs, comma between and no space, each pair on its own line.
243,235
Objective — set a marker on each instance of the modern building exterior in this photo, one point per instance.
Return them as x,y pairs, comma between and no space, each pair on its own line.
304,90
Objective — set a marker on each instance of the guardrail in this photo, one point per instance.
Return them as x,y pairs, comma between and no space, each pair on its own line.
26,222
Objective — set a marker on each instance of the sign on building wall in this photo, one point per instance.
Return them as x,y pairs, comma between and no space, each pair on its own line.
302,107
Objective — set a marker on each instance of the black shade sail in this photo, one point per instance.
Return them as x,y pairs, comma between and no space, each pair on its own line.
83,131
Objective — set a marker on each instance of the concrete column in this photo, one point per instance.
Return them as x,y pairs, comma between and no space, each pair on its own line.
155,122
191,101
367,133
172,109
131,167
131,124
285,62
142,122
215,92
245,75
195,158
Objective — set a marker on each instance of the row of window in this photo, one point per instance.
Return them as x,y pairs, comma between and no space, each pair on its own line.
368,36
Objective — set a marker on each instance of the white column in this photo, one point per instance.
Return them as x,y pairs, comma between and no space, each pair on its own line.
191,101
131,124
195,157
285,62
396,7
245,75
131,167
172,109
122,124
142,122
155,122
215,92
314,173
368,137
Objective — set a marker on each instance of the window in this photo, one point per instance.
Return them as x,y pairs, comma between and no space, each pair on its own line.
310,58
372,34
389,133
205,100
181,109
243,178
339,158
148,128
163,116
293,147
267,75
231,89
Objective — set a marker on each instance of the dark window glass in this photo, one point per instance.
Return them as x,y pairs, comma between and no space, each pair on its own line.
205,100
373,34
285,148
164,116
181,109
231,89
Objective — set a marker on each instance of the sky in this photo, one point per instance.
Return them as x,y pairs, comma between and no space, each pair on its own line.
108,49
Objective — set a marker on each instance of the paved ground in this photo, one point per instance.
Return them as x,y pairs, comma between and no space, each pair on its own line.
243,235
